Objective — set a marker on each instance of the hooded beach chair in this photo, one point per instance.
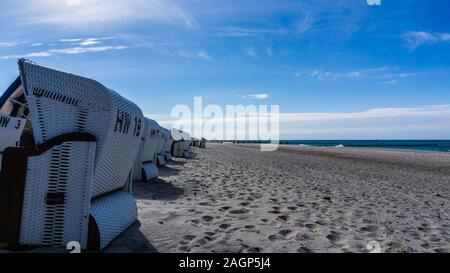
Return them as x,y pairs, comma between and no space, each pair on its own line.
181,143
168,145
202,143
73,182
145,167
195,142
160,149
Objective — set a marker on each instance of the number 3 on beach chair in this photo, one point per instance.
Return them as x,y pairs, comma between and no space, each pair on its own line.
67,178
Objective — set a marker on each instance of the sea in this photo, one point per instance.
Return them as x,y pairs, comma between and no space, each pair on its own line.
424,145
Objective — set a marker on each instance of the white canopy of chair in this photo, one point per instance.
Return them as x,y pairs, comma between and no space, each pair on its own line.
145,162
160,149
181,143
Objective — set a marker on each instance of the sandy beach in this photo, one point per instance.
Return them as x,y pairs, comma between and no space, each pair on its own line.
235,198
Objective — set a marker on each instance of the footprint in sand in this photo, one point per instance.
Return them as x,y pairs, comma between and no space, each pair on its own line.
207,218
184,249
274,211
369,228
189,237
224,226
304,249
239,211
337,238
253,250
312,227
225,208
284,218
284,234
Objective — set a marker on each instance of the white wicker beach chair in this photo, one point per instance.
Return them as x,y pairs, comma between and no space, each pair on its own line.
181,143
145,163
160,150
203,143
168,145
86,137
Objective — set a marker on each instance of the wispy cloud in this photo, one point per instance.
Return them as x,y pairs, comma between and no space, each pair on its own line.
203,55
423,111
389,75
86,41
95,13
425,122
326,75
250,52
305,24
416,39
247,32
259,96
8,44
64,51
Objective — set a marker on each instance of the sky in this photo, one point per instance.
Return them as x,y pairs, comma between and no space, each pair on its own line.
337,69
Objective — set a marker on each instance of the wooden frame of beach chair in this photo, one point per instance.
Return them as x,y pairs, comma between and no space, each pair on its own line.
145,163
75,183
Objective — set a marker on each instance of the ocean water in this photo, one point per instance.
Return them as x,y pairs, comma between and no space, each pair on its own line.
425,145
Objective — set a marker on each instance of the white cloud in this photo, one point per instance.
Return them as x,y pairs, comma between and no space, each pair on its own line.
86,41
196,55
305,24
259,96
426,122
8,44
327,75
203,55
425,111
247,32
36,44
65,51
392,82
96,13
250,52
416,39
385,74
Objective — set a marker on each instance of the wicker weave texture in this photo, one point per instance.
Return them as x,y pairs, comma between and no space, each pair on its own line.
113,213
65,169
62,103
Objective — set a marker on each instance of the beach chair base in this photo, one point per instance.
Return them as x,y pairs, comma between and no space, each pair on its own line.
149,171
161,160
111,215
168,156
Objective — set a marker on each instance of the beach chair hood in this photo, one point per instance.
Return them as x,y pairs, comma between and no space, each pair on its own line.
61,103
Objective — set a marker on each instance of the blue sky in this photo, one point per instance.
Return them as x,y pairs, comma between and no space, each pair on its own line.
338,69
